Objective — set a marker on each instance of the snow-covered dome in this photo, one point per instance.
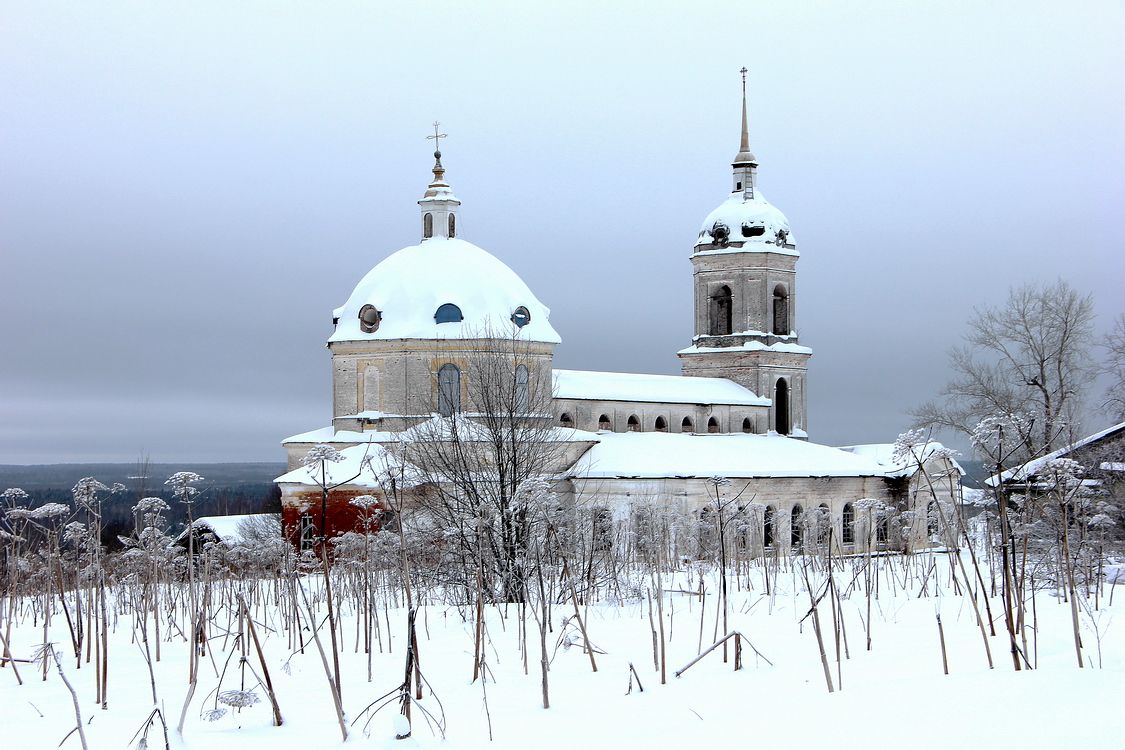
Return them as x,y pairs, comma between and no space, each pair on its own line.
745,220
449,280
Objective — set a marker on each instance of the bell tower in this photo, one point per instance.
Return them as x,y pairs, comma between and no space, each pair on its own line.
745,279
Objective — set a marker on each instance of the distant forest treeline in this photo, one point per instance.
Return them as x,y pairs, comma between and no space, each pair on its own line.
226,489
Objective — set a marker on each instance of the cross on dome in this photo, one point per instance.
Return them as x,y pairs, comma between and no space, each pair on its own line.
439,170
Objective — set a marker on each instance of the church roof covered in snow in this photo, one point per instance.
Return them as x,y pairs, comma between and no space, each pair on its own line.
365,465
753,221
884,455
229,529
669,389
658,455
479,297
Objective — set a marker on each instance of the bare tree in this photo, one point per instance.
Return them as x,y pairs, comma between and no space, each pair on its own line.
478,457
1114,366
1029,357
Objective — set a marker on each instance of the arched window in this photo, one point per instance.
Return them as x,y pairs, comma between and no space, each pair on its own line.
748,425
848,531
767,526
741,530
823,523
522,399
369,319
604,423
781,407
712,425
371,388
634,424
388,520
686,425
521,316
307,531
452,226
565,420
708,536
448,313
780,311
721,312
795,530
661,424
449,390
882,529
427,226
602,524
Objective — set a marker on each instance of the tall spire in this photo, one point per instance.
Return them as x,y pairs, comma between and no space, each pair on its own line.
744,154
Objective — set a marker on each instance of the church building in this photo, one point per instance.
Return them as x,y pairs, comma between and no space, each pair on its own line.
408,346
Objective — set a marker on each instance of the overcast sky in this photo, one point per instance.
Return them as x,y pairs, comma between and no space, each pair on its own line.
187,190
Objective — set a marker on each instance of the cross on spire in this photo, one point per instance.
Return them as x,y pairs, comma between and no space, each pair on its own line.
437,136
744,145
439,170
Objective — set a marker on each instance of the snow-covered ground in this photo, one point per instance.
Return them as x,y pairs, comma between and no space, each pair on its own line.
894,695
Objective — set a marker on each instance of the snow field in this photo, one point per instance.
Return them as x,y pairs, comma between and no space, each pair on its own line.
893,695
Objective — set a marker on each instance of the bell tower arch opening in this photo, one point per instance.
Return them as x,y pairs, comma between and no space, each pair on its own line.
781,407
781,325
721,309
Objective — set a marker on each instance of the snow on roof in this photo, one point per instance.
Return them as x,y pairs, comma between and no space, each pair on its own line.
434,426
1032,467
362,466
884,455
758,216
670,389
320,435
225,528
749,346
368,462
329,435
410,285
469,430
658,455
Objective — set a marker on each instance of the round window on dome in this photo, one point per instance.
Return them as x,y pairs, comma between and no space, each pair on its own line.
720,233
521,316
369,319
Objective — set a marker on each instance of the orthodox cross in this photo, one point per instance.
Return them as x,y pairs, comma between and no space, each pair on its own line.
436,137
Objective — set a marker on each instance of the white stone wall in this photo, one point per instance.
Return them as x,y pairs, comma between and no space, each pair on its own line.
404,373
783,494
585,414
758,371
752,278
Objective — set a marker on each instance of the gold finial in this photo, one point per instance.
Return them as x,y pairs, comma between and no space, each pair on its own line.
439,170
